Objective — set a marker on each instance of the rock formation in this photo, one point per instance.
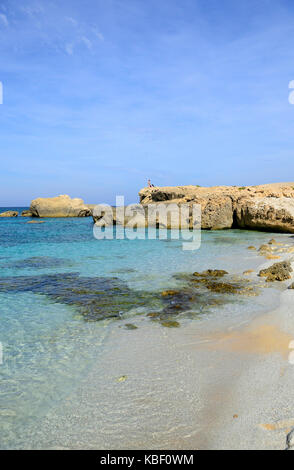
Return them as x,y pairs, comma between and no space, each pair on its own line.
277,272
9,214
26,213
61,206
266,207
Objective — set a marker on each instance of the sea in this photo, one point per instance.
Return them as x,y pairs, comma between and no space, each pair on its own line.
69,300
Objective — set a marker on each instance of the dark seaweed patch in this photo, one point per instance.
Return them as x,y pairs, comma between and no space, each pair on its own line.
95,298
38,262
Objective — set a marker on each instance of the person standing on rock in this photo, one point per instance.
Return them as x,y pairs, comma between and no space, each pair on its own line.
149,184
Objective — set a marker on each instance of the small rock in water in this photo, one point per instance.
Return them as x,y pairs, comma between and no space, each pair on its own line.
211,273
263,248
36,222
26,213
170,324
272,242
251,248
130,326
223,287
249,271
273,257
167,293
291,286
9,214
123,378
277,272
153,315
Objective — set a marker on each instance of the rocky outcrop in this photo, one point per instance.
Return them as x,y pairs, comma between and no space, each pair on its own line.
277,272
61,206
268,213
266,207
9,214
26,213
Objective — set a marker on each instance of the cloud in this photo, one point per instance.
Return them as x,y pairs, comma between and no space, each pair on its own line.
69,49
32,10
98,34
87,42
3,19
71,20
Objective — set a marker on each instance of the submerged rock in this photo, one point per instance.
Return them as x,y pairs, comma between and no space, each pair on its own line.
211,273
96,298
272,242
223,287
210,280
170,324
9,214
264,248
130,326
153,315
38,262
123,378
36,222
277,272
168,293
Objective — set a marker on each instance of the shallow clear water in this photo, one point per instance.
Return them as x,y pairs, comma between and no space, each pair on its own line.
48,347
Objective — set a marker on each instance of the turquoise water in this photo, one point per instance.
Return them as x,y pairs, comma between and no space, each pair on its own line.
51,326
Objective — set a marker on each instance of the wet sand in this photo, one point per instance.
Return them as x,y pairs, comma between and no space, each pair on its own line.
256,338
251,405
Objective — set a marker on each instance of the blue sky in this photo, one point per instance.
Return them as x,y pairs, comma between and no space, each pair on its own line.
99,95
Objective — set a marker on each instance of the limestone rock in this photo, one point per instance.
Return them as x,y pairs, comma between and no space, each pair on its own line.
277,272
27,213
61,206
268,213
9,214
266,207
272,242
217,213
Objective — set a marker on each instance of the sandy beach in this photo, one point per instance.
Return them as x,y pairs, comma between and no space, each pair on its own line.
212,384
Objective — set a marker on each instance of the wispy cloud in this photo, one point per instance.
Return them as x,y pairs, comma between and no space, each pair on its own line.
32,10
87,42
69,49
71,20
97,33
4,20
